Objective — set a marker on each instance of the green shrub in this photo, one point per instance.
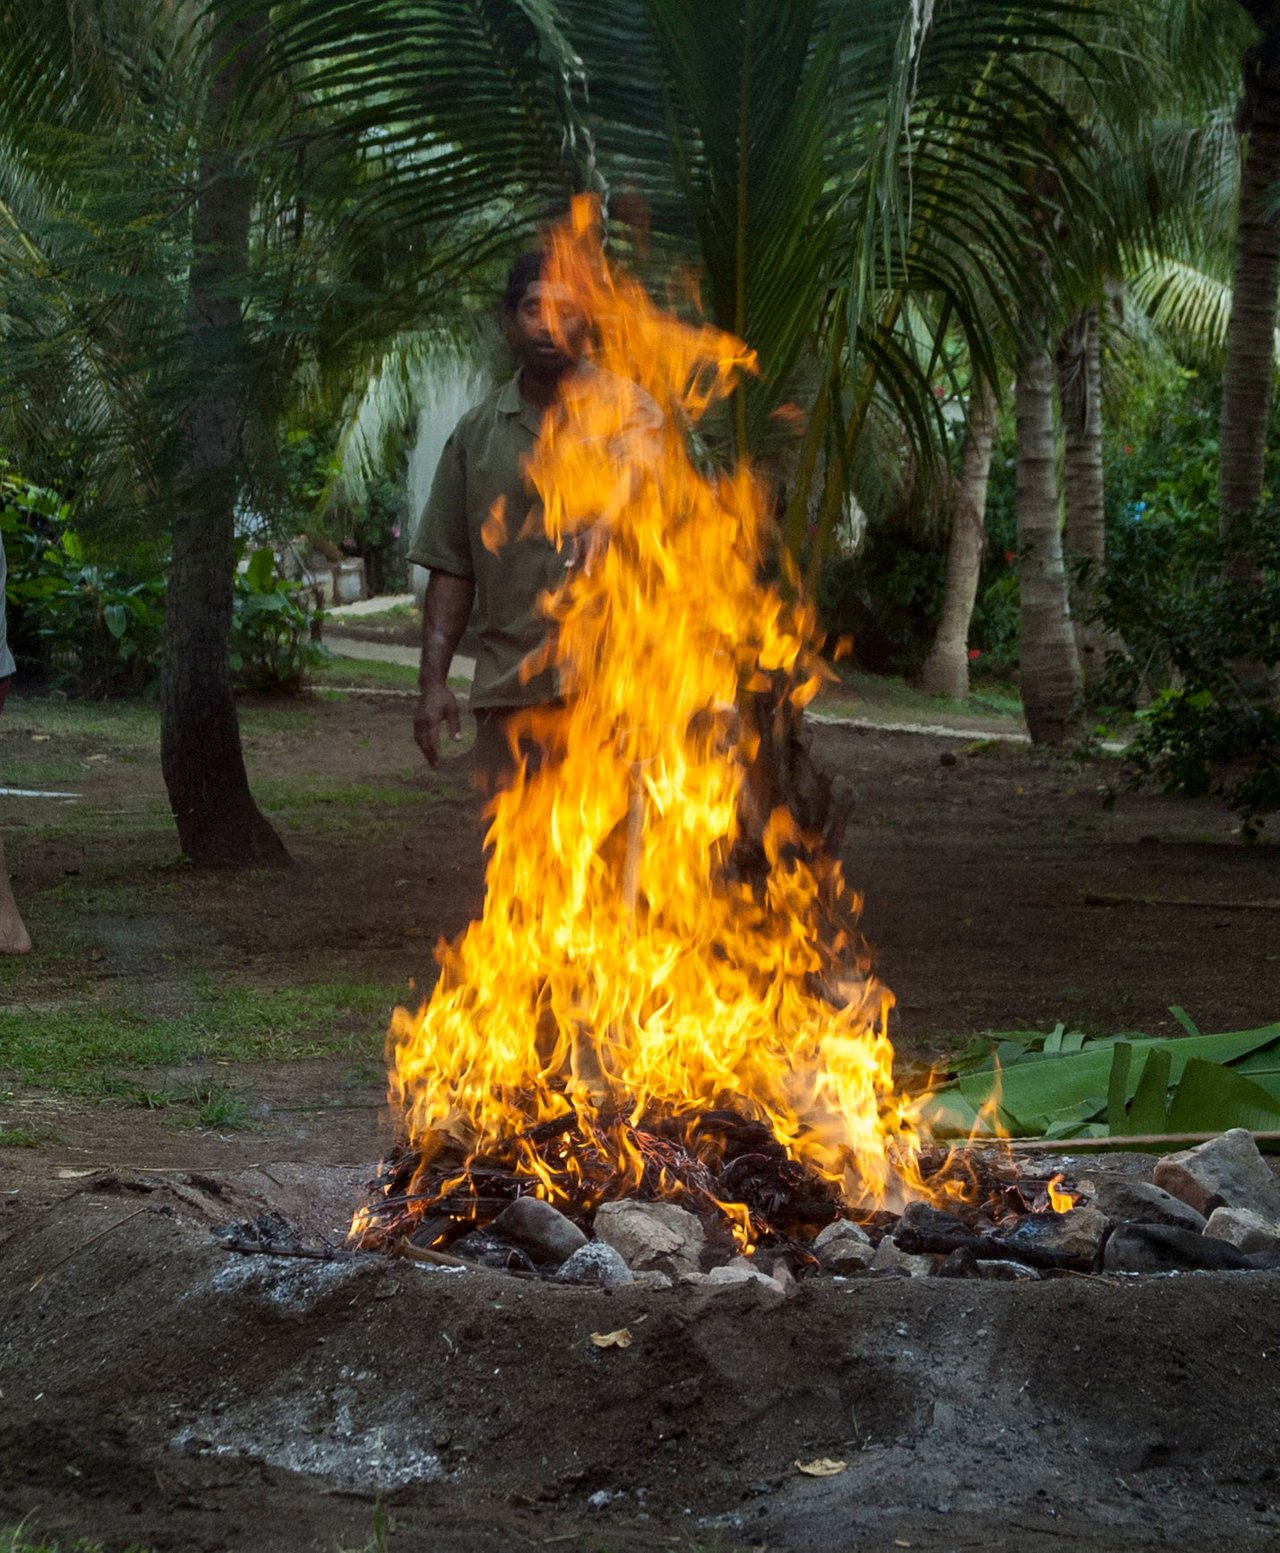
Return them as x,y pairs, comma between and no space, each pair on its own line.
271,644
1202,651
96,630
89,629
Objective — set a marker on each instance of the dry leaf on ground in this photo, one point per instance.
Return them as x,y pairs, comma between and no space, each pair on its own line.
619,1339
821,1467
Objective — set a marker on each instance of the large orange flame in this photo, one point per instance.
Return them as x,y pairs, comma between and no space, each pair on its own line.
624,965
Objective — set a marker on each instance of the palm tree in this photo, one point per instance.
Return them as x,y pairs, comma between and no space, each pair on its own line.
1248,372
946,669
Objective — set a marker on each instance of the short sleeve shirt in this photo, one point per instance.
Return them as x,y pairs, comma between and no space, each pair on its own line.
483,521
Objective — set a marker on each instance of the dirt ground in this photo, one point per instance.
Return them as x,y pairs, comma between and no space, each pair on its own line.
161,1390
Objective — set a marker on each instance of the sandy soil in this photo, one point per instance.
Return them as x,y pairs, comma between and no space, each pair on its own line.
159,1389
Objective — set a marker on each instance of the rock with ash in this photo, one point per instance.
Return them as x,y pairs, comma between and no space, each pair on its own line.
1006,1272
1226,1172
741,1270
889,1258
656,1236
596,1262
480,1246
543,1231
1249,1231
1138,1202
843,1248
1068,1239
1160,1248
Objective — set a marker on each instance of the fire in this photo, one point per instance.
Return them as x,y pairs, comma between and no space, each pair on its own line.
654,941
1059,1201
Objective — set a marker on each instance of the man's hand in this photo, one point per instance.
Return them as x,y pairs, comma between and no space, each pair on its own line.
438,705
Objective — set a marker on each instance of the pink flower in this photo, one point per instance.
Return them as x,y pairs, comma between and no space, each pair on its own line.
1009,558
974,655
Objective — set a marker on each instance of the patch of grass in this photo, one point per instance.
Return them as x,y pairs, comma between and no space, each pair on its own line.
881,697
199,1103
23,1138
16,1540
294,794
35,772
396,615
367,671
108,725
91,1049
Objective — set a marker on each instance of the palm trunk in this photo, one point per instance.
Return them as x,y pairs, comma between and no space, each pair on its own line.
218,822
1050,669
946,669
1084,534
1247,371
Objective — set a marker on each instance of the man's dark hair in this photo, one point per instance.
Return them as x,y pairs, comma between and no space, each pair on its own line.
523,273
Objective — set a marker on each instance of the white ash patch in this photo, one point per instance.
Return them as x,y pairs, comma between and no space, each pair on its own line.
294,1288
318,1438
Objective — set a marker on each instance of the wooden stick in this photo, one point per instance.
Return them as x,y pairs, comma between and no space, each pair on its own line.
412,1253
1176,900
62,1261
1135,1140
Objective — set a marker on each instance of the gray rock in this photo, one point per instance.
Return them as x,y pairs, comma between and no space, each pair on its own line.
740,1270
542,1230
1250,1231
1074,1235
652,1280
1160,1248
961,1263
1138,1202
843,1248
1005,1272
652,1235
596,1262
841,1229
1226,1172
889,1258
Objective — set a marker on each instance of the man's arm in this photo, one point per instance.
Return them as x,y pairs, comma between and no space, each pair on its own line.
445,612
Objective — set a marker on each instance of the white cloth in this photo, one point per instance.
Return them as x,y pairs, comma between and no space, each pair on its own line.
7,664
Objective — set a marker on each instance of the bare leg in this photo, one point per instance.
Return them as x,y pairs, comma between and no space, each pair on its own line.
14,938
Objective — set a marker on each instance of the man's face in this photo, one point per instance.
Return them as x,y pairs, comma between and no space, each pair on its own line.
543,350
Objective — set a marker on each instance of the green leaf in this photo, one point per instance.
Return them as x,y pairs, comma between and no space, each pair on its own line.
1184,1019
116,619
1151,1098
1118,1086
1211,1098
261,569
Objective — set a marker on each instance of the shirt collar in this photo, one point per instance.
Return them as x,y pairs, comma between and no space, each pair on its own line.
512,402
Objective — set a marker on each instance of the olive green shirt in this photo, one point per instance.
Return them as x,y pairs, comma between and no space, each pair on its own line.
481,493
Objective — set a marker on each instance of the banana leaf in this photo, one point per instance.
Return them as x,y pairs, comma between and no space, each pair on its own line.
1121,1080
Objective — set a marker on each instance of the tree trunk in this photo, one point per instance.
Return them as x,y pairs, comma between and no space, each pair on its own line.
218,822
1084,534
1247,371
946,669
1050,669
